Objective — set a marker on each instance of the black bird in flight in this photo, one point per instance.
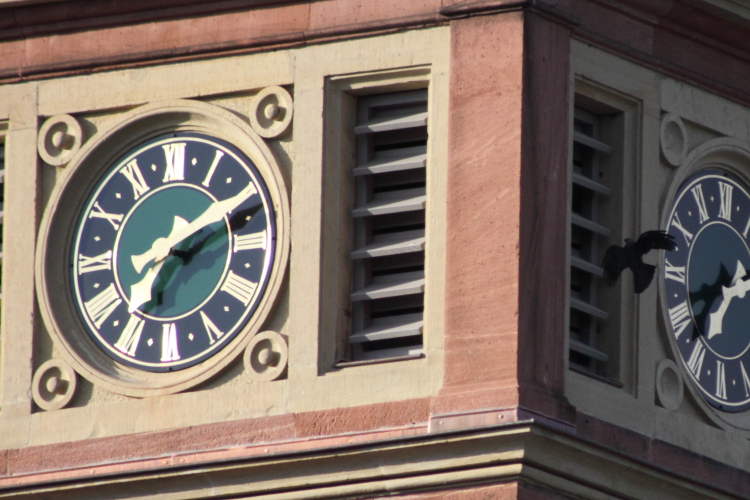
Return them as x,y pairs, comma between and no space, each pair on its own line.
631,255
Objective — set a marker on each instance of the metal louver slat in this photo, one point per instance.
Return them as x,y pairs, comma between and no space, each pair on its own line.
587,350
392,244
396,160
587,308
393,285
391,202
591,142
587,224
396,353
584,181
393,327
396,121
585,265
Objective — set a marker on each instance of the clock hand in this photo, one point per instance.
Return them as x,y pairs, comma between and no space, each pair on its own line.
736,289
140,293
161,247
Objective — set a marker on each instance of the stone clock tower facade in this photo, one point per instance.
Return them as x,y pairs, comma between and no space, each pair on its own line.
342,249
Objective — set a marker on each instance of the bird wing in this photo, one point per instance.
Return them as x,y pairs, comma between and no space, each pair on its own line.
660,240
615,260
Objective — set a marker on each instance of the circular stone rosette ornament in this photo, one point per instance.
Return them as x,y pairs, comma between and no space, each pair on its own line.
53,385
169,239
266,356
271,112
59,139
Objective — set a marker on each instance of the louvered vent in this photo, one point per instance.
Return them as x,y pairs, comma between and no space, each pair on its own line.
585,232
388,260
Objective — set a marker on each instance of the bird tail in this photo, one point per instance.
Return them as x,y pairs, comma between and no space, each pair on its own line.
643,274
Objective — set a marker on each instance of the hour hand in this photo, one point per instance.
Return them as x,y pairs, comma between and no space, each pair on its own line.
140,261
214,213
140,293
736,289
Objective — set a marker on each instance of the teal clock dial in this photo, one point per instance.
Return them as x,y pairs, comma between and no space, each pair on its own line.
173,251
706,283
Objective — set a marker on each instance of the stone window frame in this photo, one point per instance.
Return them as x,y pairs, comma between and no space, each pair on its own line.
342,93
606,85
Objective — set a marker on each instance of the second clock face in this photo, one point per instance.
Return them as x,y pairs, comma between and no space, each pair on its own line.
173,252
706,283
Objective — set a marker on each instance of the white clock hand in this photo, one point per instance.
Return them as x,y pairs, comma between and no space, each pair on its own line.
161,247
140,293
736,289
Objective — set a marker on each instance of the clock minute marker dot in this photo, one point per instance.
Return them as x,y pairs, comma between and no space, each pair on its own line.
153,167
734,382
226,309
96,238
229,180
150,342
116,322
248,217
118,195
247,265
96,285
194,161
712,198
190,336
709,371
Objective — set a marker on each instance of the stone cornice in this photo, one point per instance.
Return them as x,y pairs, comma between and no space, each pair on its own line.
529,451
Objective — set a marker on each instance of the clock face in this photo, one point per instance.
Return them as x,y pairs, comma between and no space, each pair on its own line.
706,280
172,252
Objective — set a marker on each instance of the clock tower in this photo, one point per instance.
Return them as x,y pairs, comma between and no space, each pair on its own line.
342,249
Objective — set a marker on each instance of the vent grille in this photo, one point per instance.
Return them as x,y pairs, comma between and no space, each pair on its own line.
585,233
389,214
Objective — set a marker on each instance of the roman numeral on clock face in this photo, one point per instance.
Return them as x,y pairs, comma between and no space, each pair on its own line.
680,317
239,288
101,306
169,343
207,181
131,334
113,219
674,272
695,363
174,155
211,329
96,263
701,202
725,205
745,379
687,234
721,383
250,241
133,174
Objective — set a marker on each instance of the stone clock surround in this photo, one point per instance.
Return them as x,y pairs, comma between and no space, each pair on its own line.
66,202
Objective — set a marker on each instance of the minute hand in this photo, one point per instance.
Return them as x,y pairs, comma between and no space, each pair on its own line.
737,289
162,246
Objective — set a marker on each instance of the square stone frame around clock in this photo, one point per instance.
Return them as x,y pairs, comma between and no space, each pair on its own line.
644,342
230,82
